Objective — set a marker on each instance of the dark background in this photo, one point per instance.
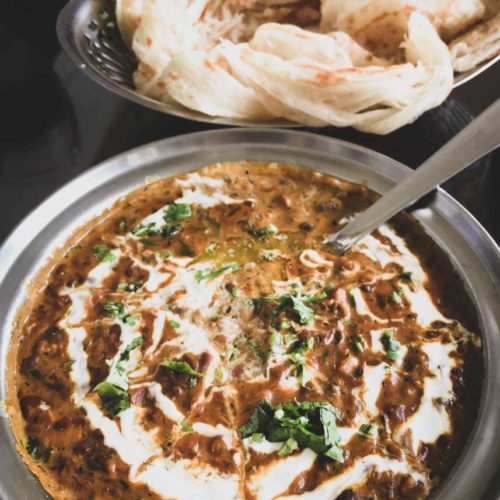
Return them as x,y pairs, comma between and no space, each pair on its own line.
57,123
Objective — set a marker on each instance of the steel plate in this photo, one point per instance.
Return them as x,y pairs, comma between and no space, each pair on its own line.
474,253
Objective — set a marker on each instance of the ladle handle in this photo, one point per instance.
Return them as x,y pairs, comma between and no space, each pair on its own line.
477,139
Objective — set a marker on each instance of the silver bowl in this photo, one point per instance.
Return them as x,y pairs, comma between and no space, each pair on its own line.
89,34
474,254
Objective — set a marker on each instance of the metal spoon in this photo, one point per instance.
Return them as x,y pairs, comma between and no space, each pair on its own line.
477,139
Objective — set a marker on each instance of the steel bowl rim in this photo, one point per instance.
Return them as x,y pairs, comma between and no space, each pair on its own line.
487,251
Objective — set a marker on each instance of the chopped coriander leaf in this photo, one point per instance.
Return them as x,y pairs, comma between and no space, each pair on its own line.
296,351
275,343
117,374
368,430
113,391
329,415
306,424
136,342
296,304
406,277
298,360
37,451
117,309
317,297
208,273
290,339
185,427
114,398
257,437
177,212
396,296
358,343
263,231
103,253
288,447
358,346
146,230
284,325
181,367
164,254
174,324
259,420
391,345
68,364
129,287
335,453
33,447
293,302
130,319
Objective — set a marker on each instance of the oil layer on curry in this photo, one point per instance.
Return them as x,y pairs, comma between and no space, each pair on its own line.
198,340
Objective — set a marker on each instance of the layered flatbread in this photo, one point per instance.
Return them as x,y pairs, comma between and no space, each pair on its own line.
251,59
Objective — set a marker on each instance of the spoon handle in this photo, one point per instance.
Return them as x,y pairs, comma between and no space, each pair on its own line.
477,139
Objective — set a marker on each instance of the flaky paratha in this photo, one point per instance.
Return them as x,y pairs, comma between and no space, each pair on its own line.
296,58
478,44
197,80
371,98
380,25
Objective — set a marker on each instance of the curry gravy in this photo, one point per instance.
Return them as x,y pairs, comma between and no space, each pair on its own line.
150,339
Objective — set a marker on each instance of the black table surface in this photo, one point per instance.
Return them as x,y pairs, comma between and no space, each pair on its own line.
57,123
